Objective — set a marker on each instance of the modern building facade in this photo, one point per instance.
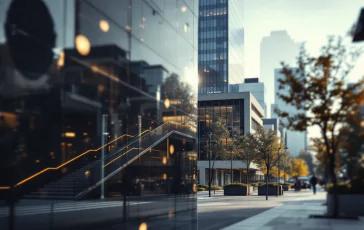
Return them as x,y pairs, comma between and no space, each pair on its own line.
257,88
296,141
220,45
93,106
276,48
241,111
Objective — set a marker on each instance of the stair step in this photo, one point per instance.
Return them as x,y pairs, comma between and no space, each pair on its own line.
59,193
49,197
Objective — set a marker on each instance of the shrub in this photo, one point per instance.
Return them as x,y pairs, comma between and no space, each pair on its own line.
286,184
355,186
236,184
200,189
270,184
215,187
203,186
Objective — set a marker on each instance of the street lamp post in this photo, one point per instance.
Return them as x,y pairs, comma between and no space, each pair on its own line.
210,164
279,156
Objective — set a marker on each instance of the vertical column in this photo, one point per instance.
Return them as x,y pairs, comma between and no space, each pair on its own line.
103,134
202,176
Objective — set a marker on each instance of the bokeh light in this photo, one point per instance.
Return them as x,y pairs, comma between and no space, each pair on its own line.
143,226
183,9
167,103
60,61
83,45
171,149
164,160
104,26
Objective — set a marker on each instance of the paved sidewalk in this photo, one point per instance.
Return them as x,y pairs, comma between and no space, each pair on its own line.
295,215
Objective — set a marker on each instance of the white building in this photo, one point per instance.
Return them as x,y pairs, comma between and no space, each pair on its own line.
242,111
257,88
296,141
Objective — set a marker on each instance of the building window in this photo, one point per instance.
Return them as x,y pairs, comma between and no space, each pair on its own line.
255,124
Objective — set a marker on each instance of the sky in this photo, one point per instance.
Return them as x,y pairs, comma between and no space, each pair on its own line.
309,21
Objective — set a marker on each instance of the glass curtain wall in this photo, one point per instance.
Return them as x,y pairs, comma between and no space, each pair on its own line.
232,111
88,84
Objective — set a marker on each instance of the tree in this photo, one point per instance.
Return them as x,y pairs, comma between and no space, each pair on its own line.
316,89
267,146
318,146
287,166
299,167
219,135
235,148
246,151
352,144
307,157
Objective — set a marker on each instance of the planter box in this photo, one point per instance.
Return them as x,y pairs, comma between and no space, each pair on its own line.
272,191
285,187
238,191
349,204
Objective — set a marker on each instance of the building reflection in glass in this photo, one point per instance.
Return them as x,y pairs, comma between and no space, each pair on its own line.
92,80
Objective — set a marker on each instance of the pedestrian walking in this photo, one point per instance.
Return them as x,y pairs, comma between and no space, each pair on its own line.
297,185
313,182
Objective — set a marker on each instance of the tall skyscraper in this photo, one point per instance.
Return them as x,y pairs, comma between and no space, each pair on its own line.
221,45
274,49
296,141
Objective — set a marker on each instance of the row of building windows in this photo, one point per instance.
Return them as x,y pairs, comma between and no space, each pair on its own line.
219,67
211,57
213,12
212,45
213,51
255,110
207,3
214,33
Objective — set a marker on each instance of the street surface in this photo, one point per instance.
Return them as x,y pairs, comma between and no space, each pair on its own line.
221,211
216,212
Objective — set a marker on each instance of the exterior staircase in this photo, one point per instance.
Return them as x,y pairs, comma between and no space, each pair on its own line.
78,184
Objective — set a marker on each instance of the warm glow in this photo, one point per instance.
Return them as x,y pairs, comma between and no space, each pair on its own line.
143,226
164,176
67,162
167,103
60,62
83,45
37,161
171,149
87,173
70,134
164,160
100,88
183,9
194,188
186,27
104,26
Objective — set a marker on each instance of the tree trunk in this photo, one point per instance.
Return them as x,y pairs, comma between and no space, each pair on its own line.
231,169
334,181
247,173
266,183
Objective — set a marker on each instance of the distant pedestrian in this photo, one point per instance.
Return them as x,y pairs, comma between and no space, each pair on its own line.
313,182
297,184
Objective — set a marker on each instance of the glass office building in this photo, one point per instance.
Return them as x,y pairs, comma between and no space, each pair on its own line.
220,45
98,106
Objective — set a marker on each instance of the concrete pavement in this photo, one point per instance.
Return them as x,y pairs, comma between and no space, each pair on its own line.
295,215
